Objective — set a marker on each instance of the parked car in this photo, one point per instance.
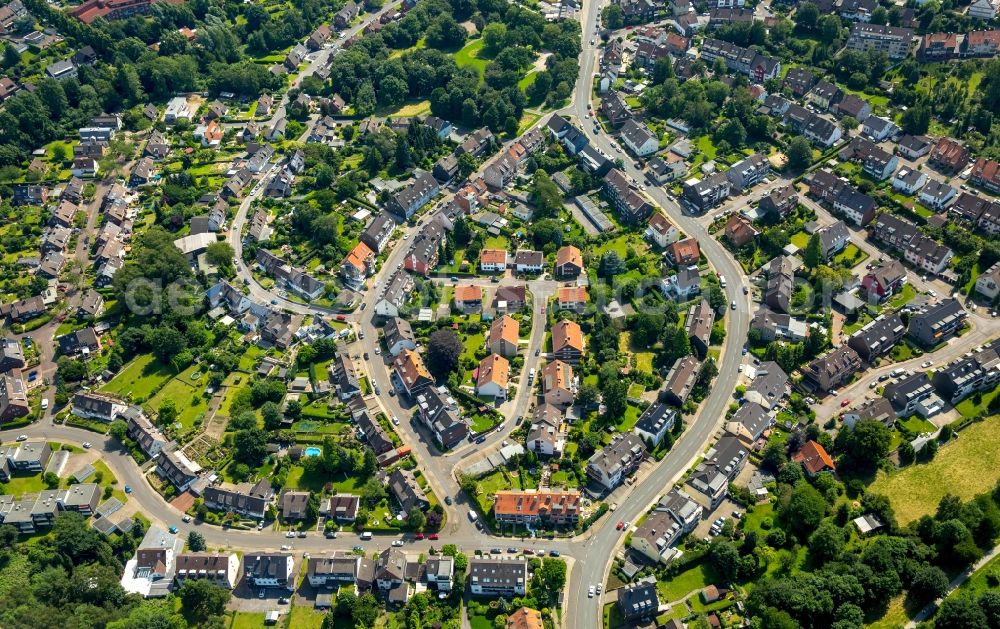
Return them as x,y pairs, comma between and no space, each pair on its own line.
172,529
447,500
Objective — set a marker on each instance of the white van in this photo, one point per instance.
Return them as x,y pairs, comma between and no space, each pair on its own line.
722,281
472,515
366,535
45,403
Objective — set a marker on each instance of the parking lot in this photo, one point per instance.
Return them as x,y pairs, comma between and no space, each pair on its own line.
724,510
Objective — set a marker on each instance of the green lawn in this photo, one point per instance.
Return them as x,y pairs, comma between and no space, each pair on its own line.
528,79
977,583
186,392
470,56
688,581
800,239
976,404
904,296
706,146
247,620
21,484
918,424
957,469
901,351
140,378
851,255
306,617
631,417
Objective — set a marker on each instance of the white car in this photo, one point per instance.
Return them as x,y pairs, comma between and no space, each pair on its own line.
87,445
590,591
397,542
286,547
395,420
927,363
22,437
289,534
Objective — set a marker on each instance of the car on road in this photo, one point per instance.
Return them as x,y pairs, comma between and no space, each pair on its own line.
495,551
453,278
418,536
433,537
45,403
627,523
283,600
285,547
172,529
479,525
512,550
302,533
926,364
274,302
620,525
600,586
22,437
481,439
128,489
377,390
883,377
590,592
538,351
395,420
359,549
732,305
397,542
447,500
87,445
290,534
330,535
553,553
872,384
366,355
378,350
186,518
500,428
844,403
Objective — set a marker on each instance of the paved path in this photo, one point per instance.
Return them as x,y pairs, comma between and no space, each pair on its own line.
930,608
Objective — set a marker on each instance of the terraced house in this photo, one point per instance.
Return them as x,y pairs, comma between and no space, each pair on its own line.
554,508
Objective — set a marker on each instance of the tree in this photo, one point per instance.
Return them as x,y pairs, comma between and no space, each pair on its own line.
250,446
928,584
443,351
271,413
611,265
906,453
827,542
118,430
494,38
613,17
806,16
220,254
813,254
804,510
551,577
725,559
196,542
866,445
416,518
959,612
203,598
799,153
167,413
615,396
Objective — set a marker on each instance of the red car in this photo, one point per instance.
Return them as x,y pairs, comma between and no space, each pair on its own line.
620,525
844,403
341,317
418,536
432,536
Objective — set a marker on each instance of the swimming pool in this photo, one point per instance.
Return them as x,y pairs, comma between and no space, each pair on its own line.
311,451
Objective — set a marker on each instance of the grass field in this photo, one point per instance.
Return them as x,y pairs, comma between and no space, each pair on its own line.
957,469
800,239
686,582
470,56
21,484
140,378
247,620
904,296
186,393
976,404
305,617
850,255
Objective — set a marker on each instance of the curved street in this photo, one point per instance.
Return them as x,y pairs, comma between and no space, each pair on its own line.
592,552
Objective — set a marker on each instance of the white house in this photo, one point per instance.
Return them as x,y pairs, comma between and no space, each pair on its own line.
908,180
639,138
661,231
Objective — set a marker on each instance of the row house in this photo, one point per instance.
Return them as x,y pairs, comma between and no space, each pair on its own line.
615,109
833,369
756,66
968,374
532,508
949,156
244,500
981,44
875,162
986,175
625,197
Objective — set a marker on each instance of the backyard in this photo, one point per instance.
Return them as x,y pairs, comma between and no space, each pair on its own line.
916,490
185,390
139,379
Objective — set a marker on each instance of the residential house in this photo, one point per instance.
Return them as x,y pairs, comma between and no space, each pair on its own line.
407,491
722,463
13,396
218,569
875,162
913,147
615,109
749,171
988,283
684,252
411,373
780,284
913,394
949,156
498,577
545,436
468,298
834,368
559,384
249,501
894,41
493,260
534,508
908,180
968,374
986,175
625,197
739,232
639,600
526,261
654,422
639,138
814,458
332,570
504,336
493,377
344,376
698,325
769,385
878,409
935,323
569,262
884,280
572,298
681,380
97,406
877,337
609,466
879,129
776,326
833,239
666,168
177,469
705,194
263,570
853,106
358,264
567,341
395,296
421,189
749,422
